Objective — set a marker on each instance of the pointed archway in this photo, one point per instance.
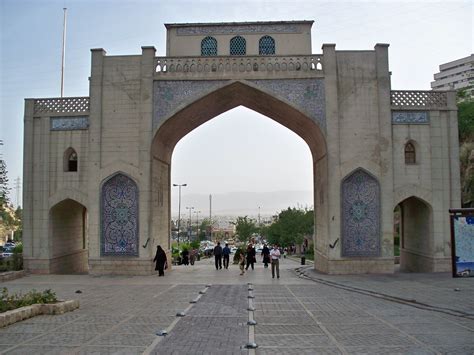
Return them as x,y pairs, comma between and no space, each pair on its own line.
206,108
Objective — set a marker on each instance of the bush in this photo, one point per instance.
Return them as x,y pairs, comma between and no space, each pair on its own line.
9,302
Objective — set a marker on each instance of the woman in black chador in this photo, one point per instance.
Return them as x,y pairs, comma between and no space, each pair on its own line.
160,259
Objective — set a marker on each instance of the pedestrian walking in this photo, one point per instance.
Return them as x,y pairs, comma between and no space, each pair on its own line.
192,256
266,255
226,255
242,262
218,255
185,255
160,260
250,256
275,257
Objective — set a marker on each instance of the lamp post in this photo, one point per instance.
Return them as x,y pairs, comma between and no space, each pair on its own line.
197,224
179,206
190,210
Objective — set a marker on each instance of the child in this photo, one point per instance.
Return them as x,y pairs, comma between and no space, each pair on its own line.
242,263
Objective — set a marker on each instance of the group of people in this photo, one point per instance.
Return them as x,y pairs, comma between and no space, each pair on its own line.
247,258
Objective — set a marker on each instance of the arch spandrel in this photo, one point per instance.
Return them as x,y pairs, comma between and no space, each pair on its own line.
262,98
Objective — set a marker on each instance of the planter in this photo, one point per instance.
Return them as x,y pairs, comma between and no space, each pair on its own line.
19,314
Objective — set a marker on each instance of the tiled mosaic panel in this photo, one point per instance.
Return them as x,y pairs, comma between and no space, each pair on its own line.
360,215
306,95
119,217
69,123
410,117
237,29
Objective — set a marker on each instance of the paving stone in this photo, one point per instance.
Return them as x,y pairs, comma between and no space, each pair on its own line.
69,339
293,341
112,350
392,350
15,338
373,339
115,339
42,349
297,351
288,329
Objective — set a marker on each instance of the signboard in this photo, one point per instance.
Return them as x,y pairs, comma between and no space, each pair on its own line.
462,241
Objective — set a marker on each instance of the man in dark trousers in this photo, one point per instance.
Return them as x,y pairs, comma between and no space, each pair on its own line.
218,255
226,254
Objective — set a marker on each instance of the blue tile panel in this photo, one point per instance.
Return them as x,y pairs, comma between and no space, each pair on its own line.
69,123
360,215
237,29
119,217
410,117
306,95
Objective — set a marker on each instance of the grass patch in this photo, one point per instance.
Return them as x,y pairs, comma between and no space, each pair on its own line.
9,302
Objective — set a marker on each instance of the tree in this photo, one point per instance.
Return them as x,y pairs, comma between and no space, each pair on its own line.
204,228
245,227
466,141
291,226
4,189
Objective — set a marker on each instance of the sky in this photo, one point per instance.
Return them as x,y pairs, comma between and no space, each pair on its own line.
244,156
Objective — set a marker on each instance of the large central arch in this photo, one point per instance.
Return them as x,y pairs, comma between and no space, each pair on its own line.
205,108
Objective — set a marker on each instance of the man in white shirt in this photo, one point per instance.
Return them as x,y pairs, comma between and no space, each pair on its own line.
275,257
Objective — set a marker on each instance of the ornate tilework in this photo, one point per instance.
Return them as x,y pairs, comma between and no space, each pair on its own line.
360,211
410,117
119,217
266,46
69,123
237,29
307,95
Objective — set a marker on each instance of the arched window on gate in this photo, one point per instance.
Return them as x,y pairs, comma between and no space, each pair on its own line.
410,153
266,46
70,160
209,47
238,46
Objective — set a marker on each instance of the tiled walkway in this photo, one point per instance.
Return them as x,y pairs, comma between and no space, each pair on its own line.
121,315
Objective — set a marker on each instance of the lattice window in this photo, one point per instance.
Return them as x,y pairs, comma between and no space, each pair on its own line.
62,105
266,46
238,46
410,153
209,47
70,160
419,98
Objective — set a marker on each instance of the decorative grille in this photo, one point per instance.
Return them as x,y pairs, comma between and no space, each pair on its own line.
62,105
266,46
209,47
423,99
238,46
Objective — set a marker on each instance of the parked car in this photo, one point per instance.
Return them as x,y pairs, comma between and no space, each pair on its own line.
7,251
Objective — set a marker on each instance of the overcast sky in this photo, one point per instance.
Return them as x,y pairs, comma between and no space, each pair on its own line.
243,155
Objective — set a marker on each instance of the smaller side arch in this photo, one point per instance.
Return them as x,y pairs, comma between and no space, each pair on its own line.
71,194
70,160
360,215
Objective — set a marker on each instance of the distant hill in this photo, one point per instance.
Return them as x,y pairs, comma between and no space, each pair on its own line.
243,202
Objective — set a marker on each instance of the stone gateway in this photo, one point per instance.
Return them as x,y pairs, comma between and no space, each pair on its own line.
97,168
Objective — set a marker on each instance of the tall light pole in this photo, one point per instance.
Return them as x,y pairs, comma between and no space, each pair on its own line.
190,224
179,206
197,224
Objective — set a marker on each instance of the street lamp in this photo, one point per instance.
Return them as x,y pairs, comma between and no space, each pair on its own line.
179,207
190,210
197,224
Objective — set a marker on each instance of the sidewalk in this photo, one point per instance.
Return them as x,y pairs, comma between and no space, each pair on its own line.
301,313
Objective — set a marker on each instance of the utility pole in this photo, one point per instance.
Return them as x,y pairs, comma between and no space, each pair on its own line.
179,207
210,217
63,57
190,222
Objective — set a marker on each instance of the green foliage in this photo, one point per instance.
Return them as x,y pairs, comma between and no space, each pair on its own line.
4,189
245,227
291,227
466,120
18,249
9,302
467,174
237,253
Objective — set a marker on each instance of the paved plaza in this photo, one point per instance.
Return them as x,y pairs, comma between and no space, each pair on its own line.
303,312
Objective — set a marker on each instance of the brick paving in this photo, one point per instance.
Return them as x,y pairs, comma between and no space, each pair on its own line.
310,314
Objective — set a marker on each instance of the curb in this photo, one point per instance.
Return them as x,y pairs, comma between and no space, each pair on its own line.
12,275
19,314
